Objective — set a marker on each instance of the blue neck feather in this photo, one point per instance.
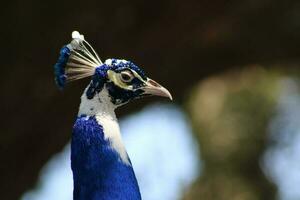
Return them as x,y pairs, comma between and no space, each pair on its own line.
98,172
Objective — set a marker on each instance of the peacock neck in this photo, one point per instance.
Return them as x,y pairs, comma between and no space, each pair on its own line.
99,105
103,109
100,165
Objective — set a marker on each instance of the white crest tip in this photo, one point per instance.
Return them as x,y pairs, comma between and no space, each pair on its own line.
77,35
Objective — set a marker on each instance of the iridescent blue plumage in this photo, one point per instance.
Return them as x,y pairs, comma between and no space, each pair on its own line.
98,80
118,65
59,67
98,172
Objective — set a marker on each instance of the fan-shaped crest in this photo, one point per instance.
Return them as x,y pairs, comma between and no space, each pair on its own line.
77,60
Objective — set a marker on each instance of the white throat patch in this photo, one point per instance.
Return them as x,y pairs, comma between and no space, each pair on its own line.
104,110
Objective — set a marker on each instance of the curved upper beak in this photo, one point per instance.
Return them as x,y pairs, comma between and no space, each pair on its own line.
156,89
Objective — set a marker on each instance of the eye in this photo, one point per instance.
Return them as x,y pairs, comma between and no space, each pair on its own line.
126,76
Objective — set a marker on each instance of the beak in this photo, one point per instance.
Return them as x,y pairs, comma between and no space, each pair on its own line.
153,88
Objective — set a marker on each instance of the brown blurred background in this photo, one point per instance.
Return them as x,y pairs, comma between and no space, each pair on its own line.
222,60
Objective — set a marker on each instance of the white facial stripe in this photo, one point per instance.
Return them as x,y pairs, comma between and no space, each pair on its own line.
115,78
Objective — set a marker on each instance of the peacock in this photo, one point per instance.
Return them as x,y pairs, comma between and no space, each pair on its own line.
101,167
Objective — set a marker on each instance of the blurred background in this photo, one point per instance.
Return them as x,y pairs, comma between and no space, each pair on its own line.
232,131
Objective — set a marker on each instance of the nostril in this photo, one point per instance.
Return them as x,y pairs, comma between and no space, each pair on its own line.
153,83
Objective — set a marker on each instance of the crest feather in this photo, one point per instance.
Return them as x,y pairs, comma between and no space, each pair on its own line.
77,60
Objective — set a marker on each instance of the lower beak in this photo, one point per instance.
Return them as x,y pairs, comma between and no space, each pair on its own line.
153,88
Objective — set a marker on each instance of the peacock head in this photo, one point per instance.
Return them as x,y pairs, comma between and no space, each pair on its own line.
121,79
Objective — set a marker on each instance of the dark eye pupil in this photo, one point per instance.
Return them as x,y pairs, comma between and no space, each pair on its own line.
126,77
